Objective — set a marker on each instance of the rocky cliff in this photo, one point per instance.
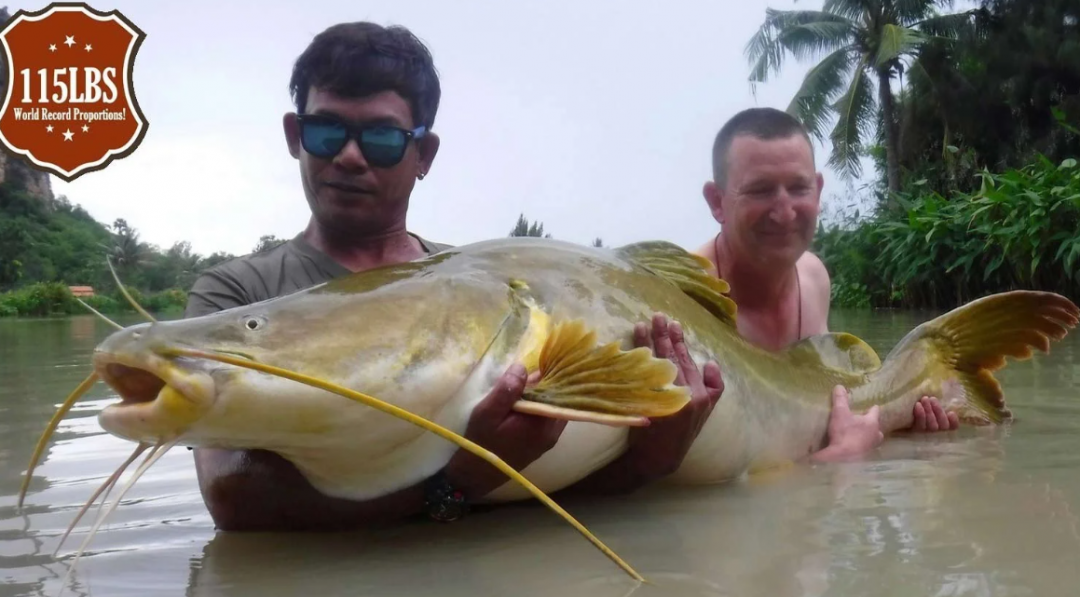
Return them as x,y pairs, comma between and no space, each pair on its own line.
15,168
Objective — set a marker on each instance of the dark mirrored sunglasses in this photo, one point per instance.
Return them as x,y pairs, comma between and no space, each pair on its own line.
382,145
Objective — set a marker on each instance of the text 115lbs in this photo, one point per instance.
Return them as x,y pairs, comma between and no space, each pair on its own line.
66,80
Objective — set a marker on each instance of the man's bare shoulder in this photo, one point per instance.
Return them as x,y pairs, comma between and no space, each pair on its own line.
812,267
817,290
706,251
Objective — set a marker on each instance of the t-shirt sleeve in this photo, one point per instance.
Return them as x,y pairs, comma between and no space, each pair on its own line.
214,291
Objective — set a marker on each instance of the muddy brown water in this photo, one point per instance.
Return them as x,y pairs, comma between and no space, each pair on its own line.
980,512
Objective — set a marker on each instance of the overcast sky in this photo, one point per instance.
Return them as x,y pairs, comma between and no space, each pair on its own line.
596,118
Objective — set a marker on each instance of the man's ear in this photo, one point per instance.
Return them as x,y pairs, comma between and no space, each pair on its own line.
292,133
713,197
428,147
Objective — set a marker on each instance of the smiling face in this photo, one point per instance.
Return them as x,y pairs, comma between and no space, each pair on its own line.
345,192
769,204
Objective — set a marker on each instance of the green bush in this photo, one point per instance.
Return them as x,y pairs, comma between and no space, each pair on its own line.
1021,229
41,299
103,303
54,298
166,301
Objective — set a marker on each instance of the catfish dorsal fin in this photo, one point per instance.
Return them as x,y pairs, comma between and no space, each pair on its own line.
687,271
836,350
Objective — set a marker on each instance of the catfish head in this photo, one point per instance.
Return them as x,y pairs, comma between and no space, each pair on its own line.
419,342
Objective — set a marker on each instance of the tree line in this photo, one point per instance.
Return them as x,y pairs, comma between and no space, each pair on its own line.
48,245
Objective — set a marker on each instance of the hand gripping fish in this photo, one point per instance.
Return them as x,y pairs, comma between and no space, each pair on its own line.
367,382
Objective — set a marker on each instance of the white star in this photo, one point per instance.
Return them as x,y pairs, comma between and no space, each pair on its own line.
85,129
52,47
89,47
68,135
70,41
48,129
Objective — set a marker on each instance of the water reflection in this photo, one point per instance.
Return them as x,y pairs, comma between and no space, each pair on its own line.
986,512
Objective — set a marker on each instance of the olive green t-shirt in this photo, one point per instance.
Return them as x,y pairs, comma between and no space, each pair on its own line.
287,268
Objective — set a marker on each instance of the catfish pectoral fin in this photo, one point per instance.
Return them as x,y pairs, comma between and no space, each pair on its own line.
573,414
578,375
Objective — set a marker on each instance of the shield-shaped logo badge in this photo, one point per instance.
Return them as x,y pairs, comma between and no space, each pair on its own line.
70,106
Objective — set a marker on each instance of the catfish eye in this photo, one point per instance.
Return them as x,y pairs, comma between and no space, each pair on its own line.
254,322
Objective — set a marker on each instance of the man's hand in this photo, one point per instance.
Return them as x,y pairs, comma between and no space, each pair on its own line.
517,438
929,416
850,435
654,451
659,449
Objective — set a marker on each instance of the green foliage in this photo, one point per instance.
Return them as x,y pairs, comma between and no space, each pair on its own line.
996,98
41,299
267,242
46,246
850,266
1019,229
865,45
44,299
523,228
47,242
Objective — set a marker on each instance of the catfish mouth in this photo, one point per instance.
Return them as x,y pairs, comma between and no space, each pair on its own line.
134,385
160,397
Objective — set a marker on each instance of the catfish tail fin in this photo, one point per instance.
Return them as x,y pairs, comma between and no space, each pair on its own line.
972,342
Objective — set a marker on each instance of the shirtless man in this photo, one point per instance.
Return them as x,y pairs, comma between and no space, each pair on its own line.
766,194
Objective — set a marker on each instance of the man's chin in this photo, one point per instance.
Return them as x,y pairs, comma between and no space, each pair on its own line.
332,196
783,255
352,221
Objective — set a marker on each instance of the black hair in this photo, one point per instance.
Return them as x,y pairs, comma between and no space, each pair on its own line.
361,59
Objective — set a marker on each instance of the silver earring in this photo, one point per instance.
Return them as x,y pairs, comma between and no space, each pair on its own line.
420,176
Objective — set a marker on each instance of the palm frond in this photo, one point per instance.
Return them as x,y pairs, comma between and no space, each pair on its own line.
849,9
895,41
855,111
949,26
909,12
820,88
766,48
810,40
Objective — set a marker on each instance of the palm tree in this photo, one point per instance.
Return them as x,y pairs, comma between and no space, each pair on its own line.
867,42
128,252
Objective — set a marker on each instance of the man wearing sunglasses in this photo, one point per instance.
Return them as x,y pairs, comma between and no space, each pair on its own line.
366,99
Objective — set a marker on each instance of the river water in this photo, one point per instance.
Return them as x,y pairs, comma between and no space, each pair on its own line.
980,512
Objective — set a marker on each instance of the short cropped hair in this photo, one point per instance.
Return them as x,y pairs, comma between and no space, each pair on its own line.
361,59
762,123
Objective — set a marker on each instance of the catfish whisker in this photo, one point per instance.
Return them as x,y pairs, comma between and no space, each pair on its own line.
155,454
106,487
124,291
53,424
98,313
421,422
